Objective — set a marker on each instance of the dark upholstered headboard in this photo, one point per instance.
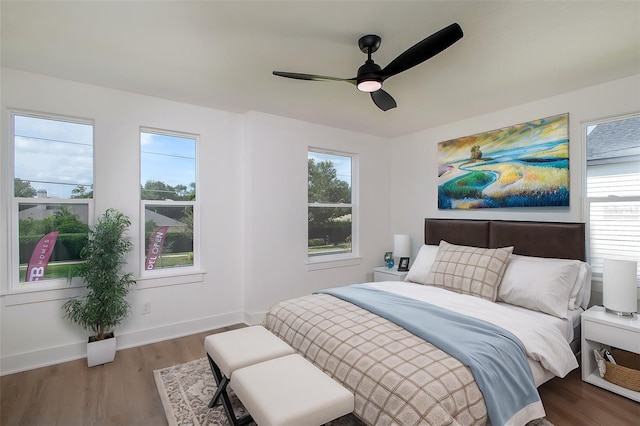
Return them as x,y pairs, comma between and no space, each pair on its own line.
564,240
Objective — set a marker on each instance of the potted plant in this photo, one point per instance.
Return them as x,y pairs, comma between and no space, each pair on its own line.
105,305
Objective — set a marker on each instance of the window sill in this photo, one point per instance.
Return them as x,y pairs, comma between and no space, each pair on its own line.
24,296
27,296
331,262
168,279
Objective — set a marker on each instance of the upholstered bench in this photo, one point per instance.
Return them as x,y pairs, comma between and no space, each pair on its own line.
231,350
290,391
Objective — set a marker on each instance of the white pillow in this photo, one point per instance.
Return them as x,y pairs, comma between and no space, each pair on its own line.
581,290
584,282
539,284
422,265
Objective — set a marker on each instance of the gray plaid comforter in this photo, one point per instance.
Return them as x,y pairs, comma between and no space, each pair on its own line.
397,378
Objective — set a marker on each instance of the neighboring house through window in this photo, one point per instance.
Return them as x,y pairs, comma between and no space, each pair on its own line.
52,199
332,213
168,199
613,190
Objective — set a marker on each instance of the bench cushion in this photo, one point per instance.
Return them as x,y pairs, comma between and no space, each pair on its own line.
290,391
239,348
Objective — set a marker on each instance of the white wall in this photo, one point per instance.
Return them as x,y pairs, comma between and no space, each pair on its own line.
252,190
414,157
34,334
276,209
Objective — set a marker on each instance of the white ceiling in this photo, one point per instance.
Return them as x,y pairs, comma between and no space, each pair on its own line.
221,54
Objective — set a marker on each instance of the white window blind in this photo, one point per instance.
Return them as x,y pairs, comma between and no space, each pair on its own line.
614,231
615,185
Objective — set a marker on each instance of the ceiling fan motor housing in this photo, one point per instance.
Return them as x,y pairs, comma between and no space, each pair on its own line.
369,73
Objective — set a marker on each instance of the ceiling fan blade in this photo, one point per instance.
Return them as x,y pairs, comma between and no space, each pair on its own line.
423,50
383,100
312,77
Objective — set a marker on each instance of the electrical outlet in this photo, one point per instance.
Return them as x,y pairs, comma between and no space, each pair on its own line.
146,307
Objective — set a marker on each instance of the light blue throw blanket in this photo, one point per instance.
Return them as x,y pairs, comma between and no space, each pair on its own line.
496,357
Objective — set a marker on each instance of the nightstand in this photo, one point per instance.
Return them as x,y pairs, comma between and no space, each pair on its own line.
600,329
382,273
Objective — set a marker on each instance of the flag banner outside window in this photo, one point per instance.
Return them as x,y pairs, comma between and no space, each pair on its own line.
40,257
155,247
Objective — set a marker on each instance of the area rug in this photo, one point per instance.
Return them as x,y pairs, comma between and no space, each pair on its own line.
186,389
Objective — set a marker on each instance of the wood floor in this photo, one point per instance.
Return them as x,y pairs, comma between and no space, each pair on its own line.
124,392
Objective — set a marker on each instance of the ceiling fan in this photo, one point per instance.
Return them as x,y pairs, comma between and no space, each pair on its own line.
370,75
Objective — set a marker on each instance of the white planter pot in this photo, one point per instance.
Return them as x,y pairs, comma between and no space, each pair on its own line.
101,351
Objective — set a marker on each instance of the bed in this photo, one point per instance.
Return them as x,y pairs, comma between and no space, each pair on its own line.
407,350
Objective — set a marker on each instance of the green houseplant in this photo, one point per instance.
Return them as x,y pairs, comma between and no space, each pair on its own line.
105,305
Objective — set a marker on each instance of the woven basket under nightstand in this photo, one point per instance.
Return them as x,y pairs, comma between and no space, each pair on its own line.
626,371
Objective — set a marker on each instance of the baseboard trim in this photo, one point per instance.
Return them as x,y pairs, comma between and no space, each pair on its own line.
255,318
55,355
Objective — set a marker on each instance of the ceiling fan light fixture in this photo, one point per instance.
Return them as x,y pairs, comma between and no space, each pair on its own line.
369,79
369,85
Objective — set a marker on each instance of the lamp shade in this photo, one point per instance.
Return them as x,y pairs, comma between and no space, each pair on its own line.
619,294
402,245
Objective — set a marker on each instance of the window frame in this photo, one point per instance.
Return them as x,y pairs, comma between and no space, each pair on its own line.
587,200
46,289
181,274
322,261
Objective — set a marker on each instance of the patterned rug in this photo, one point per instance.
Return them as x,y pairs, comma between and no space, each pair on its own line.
186,389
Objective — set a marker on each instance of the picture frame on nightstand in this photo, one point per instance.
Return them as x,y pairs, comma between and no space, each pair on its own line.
403,265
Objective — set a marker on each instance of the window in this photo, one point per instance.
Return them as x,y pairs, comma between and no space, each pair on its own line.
613,190
331,205
168,199
52,198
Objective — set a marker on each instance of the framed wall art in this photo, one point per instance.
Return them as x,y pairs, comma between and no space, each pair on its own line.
525,165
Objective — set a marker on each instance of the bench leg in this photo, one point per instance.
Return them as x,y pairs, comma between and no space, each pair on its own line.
222,382
222,386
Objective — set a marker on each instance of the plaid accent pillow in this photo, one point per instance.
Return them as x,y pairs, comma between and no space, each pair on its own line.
469,270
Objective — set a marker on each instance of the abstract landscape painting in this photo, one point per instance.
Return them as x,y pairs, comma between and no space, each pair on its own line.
526,165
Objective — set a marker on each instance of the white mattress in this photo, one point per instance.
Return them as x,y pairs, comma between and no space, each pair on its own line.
574,316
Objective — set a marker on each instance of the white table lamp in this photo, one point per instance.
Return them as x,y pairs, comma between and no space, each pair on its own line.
619,291
401,245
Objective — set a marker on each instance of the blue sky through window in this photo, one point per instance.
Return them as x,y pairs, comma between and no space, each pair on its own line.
55,156
167,158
